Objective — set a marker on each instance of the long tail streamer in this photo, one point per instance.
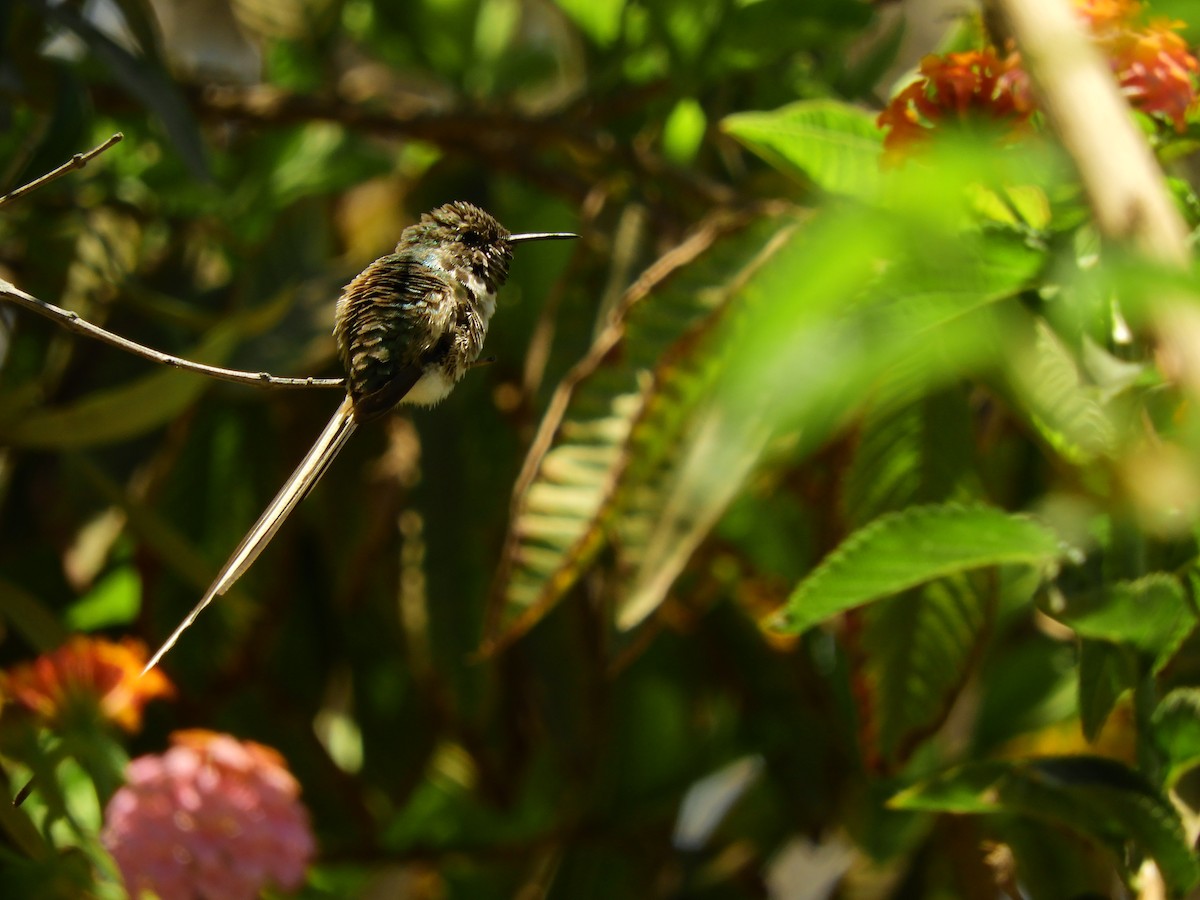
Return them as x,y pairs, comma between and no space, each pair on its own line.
307,474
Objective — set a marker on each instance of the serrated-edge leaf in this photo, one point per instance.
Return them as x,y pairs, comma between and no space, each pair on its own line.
911,547
1068,413
1175,730
1151,615
1095,796
908,452
835,145
920,648
583,446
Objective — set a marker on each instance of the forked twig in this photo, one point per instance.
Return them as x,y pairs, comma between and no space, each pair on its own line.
72,322
78,161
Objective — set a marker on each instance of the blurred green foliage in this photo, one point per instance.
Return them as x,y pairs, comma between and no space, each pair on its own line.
821,526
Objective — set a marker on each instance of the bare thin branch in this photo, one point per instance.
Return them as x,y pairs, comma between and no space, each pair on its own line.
72,322
78,161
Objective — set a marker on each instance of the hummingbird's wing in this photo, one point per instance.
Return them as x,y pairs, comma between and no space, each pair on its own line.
310,470
393,320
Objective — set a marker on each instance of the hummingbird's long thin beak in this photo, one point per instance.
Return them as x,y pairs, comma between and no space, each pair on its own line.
542,236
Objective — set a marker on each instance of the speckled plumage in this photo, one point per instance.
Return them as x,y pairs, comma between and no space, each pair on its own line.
408,328
410,325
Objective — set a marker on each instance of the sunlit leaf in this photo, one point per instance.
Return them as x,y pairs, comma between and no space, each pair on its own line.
114,600
912,547
822,328
599,19
834,145
683,131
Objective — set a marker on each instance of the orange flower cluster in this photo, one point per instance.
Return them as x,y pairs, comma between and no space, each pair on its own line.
966,86
1155,69
86,673
1153,65
1102,14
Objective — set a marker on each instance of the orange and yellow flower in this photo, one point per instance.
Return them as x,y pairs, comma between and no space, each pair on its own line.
1155,68
1102,14
86,674
974,85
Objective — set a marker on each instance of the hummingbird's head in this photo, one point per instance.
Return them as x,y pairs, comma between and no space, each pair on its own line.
465,238
468,240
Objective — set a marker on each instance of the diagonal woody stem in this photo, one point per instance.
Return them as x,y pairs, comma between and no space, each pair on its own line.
1124,184
78,161
72,322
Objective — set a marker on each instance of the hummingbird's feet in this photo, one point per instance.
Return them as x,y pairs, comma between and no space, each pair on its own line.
485,361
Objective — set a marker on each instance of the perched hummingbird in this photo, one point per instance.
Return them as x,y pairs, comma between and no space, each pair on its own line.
408,328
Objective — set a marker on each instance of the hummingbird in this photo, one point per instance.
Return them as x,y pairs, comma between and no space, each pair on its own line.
408,327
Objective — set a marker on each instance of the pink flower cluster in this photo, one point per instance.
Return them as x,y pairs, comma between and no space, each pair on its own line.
213,818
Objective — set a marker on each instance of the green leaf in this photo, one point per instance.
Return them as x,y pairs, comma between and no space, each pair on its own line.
672,518
1024,688
1175,730
821,322
1095,796
142,79
114,600
622,418
1106,671
1069,413
117,414
598,19
1152,615
29,616
834,145
905,549
683,131
920,647
319,158
22,832
912,452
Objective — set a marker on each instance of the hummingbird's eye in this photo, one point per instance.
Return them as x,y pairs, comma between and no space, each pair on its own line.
472,238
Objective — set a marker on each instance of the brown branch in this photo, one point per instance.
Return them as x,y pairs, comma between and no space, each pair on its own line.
502,138
78,161
72,322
